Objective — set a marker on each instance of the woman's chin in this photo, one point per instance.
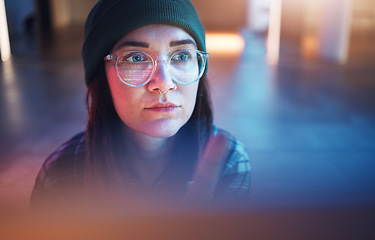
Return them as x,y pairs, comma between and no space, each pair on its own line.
162,133
162,130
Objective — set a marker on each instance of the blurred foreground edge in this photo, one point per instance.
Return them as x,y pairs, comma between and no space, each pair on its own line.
345,223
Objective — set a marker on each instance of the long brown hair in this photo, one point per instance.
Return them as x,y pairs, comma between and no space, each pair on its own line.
104,137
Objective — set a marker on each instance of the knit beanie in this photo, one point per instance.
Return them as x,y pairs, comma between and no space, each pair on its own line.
110,20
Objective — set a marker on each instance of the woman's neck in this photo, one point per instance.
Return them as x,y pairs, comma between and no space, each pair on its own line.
147,146
148,156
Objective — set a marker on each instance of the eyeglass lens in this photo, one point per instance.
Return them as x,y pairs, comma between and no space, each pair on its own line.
136,67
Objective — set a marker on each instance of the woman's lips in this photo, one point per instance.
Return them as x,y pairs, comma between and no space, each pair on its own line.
163,107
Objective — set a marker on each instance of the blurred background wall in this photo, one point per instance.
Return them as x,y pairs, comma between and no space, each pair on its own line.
337,29
70,12
17,16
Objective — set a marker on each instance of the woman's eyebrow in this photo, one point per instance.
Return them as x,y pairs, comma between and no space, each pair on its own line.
181,42
132,44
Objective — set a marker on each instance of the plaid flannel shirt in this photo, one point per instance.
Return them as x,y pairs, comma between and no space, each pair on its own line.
64,168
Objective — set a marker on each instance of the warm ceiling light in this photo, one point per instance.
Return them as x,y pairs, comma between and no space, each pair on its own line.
224,43
273,39
4,35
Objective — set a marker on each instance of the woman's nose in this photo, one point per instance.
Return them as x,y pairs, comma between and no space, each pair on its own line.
161,80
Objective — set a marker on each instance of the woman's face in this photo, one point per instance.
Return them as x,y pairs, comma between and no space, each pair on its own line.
144,109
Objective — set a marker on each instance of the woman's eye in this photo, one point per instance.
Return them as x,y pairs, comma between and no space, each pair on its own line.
182,56
134,58
137,58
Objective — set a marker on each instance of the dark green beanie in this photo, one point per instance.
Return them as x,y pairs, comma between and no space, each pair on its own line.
110,20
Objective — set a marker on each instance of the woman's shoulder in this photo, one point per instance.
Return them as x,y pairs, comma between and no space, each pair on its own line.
235,178
70,149
238,159
69,156
61,171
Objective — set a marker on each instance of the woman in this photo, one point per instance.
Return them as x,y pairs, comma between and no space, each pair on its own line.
150,133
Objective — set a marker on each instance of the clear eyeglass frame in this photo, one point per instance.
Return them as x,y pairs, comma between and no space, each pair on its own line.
201,66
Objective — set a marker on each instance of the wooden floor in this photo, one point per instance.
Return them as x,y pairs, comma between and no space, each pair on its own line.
309,126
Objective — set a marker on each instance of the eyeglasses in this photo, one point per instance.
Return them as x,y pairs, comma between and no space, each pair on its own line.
135,68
